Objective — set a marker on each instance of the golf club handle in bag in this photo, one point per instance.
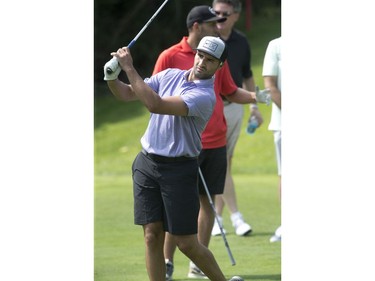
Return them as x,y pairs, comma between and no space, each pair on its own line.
114,62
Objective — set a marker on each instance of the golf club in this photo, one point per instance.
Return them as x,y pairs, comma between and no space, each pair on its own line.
217,219
113,62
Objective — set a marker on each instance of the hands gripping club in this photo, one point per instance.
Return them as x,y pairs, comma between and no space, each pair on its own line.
112,65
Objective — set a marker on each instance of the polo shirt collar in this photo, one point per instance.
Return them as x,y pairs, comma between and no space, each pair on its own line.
185,46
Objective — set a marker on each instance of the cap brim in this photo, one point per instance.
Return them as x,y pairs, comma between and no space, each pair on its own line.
218,19
207,52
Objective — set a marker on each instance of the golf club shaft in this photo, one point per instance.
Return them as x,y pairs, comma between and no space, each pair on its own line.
217,218
114,63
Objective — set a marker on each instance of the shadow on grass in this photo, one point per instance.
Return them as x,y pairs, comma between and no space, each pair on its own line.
262,277
257,277
269,234
252,234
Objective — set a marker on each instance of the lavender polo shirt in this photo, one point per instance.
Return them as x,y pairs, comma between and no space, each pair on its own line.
173,136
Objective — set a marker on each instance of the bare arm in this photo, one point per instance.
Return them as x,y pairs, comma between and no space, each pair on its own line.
138,89
248,84
122,91
271,83
242,96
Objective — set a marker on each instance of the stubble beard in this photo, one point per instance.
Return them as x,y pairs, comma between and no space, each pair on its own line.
201,75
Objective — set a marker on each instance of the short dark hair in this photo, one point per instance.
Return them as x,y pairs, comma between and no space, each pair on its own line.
236,4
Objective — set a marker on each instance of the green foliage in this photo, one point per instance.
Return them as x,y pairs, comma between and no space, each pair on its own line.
119,246
117,22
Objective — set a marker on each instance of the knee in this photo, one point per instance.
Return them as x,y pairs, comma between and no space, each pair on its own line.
153,238
186,246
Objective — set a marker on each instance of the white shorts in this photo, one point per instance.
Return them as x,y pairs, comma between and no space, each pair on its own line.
277,141
233,114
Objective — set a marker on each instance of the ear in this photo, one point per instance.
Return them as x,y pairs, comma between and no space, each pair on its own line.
195,25
236,16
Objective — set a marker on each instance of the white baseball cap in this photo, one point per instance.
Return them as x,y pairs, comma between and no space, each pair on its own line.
213,46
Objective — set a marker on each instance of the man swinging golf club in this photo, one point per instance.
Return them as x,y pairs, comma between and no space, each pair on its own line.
165,172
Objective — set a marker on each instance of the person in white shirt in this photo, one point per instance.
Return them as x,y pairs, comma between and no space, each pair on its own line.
272,80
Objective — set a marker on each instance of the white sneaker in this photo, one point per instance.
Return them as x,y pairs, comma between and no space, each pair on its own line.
195,272
216,229
240,226
277,236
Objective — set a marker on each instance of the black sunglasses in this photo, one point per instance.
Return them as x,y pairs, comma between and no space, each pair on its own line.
224,14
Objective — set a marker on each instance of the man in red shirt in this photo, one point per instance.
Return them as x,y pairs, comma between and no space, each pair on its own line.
201,22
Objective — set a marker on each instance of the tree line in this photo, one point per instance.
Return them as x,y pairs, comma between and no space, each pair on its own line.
117,22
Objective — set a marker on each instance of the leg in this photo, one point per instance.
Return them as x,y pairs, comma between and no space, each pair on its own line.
241,227
148,212
200,255
277,141
205,220
219,204
169,247
213,164
229,195
169,250
234,115
154,240
181,202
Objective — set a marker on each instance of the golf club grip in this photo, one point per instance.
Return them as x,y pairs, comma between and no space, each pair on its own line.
114,62
131,43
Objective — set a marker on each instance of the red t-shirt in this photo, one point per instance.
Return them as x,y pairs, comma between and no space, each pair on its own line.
182,56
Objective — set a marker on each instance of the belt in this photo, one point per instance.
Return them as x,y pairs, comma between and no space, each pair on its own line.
165,159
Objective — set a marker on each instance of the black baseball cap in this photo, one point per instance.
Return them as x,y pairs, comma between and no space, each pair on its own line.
202,14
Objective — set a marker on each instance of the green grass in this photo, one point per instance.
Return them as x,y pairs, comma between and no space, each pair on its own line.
119,247
119,250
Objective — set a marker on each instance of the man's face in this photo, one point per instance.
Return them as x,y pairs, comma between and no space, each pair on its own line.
208,29
225,10
205,65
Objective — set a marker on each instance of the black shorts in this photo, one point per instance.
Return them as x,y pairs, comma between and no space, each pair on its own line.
213,164
168,192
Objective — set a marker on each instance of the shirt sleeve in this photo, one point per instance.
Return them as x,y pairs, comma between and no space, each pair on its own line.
246,70
199,104
270,63
154,81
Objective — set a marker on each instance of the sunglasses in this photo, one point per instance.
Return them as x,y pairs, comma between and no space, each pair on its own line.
224,14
